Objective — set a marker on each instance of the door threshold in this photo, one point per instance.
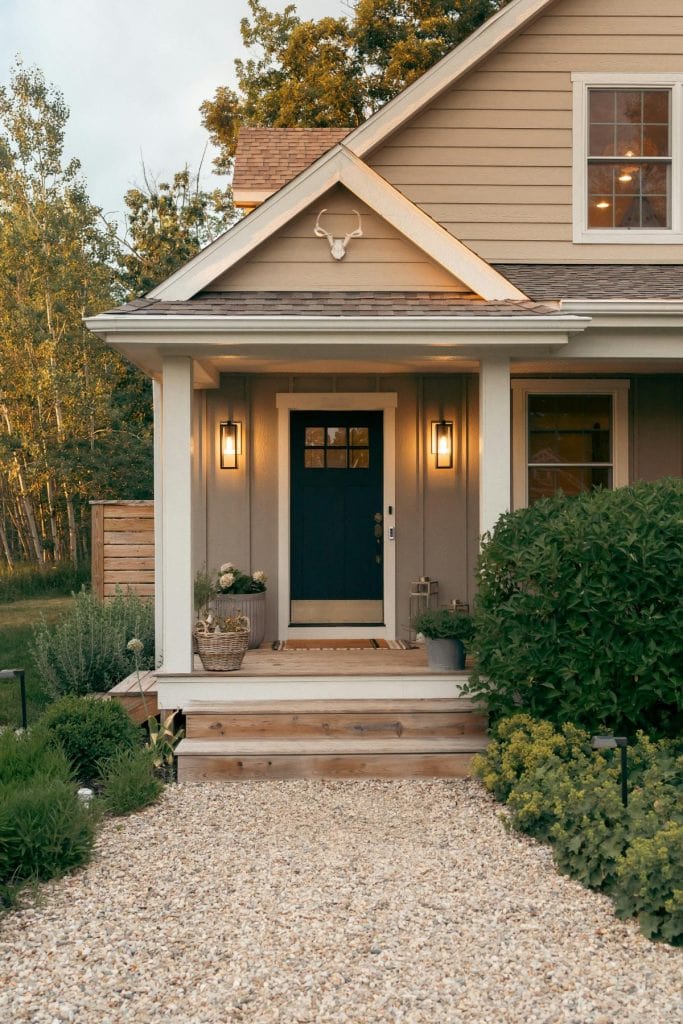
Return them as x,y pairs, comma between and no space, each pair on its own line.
337,625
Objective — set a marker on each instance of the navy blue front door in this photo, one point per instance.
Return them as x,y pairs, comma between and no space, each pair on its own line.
336,517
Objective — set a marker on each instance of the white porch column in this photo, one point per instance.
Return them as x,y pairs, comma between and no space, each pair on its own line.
494,439
158,520
176,526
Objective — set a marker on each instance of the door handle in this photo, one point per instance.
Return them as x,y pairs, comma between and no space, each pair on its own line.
379,533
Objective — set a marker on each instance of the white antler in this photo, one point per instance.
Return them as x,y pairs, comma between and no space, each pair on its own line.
358,233
337,245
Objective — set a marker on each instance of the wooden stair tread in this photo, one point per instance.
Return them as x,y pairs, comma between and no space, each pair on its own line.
323,746
330,707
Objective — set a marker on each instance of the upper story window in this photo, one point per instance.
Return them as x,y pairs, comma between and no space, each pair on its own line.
627,160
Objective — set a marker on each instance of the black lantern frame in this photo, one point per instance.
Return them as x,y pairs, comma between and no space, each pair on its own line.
230,443
442,443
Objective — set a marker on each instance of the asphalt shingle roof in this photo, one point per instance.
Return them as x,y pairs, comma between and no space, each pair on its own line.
556,281
267,158
332,304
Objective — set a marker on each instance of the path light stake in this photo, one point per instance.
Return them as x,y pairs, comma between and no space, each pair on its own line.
610,743
20,674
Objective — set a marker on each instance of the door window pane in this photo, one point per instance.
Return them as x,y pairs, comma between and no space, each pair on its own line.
336,448
336,458
336,437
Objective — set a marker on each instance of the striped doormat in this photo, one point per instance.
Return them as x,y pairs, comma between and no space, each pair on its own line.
342,645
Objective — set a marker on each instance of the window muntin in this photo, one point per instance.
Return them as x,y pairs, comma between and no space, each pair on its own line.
629,174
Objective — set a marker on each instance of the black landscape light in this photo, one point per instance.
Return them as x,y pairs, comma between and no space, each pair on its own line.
611,743
18,673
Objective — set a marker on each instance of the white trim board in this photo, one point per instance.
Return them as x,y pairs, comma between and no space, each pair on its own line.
337,167
386,402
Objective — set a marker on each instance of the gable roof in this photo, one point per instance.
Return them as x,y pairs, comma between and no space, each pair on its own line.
557,281
339,166
267,158
459,62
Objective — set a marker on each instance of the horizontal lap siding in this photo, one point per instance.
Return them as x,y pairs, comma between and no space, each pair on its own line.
294,259
123,548
491,159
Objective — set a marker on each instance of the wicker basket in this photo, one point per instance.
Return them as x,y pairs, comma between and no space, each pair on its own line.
222,652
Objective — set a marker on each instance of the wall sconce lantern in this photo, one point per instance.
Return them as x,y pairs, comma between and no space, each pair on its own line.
442,443
231,443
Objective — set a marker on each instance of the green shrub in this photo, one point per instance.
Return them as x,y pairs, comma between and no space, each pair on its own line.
86,652
556,789
444,624
28,580
129,781
89,732
578,615
45,831
24,756
650,883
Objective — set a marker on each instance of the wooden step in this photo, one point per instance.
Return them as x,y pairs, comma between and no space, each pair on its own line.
201,760
352,718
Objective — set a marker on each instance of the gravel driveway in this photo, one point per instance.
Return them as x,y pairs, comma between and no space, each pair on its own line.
326,902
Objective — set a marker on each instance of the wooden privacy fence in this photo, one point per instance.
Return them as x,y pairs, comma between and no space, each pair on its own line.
122,547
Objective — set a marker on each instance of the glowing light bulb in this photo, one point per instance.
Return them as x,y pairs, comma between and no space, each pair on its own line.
625,177
603,205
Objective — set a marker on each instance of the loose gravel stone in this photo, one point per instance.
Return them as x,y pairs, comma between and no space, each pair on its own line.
330,903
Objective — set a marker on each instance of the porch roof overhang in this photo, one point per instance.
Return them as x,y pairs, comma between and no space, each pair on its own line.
377,344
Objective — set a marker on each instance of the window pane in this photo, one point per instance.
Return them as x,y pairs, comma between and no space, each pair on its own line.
656,106
629,106
336,436
336,458
569,428
655,140
359,436
315,436
602,105
545,482
601,142
314,458
359,458
615,192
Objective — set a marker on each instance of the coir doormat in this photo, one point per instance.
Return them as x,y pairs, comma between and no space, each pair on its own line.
342,645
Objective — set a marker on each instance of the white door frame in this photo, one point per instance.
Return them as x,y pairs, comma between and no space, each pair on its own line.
347,402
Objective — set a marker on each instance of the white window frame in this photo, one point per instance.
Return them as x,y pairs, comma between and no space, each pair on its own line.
522,388
582,82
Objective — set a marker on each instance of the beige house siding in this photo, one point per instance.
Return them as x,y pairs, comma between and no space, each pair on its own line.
491,159
294,259
437,511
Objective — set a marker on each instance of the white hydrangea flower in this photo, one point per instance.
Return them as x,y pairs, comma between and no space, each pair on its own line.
135,645
260,576
227,566
226,580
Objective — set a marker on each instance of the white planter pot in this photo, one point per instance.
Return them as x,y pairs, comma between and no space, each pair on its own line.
251,605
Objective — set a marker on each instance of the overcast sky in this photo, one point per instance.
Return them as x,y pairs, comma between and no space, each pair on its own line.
133,73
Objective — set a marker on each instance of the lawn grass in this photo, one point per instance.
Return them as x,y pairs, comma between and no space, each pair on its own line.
16,634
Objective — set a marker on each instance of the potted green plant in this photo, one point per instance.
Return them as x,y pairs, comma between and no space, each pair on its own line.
446,633
242,593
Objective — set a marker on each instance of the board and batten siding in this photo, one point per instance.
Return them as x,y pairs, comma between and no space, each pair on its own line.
122,547
294,259
491,158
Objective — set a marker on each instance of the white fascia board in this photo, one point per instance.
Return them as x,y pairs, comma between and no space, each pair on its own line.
657,308
274,328
488,37
338,167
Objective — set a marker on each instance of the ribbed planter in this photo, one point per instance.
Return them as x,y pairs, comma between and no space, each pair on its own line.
251,605
445,655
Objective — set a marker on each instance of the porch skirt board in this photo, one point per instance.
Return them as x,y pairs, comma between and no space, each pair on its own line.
251,605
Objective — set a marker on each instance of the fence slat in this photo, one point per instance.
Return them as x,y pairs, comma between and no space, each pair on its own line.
123,547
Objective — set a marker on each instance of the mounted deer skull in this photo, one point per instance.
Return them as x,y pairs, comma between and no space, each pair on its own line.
337,245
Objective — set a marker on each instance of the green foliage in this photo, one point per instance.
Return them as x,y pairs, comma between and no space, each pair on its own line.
167,224
45,831
86,652
232,580
578,615
26,580
129,782
90,732
650,883
444,624
25,755
558,790
334,72
163,739
203,591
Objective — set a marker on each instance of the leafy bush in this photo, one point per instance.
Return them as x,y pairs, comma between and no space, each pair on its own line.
557,789
45,831
26,755
89,732
28,580
86,652
578,615
129,781
444,624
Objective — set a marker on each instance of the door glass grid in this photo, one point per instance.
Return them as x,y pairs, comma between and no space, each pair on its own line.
337,448
569,444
